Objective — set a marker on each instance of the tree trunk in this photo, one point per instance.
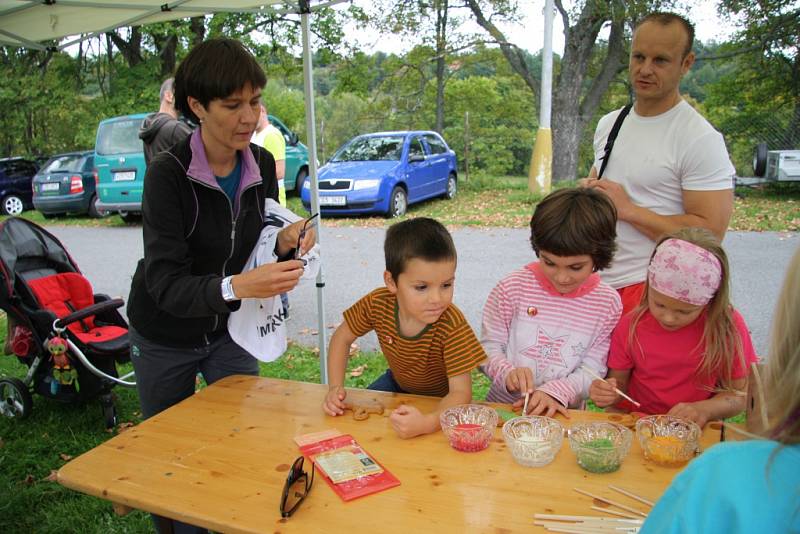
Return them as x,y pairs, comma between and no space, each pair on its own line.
131,49
198,27
441,51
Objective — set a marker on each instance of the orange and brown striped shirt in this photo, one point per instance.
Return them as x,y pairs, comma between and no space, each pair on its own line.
421,364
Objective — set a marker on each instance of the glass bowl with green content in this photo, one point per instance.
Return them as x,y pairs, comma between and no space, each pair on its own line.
600,446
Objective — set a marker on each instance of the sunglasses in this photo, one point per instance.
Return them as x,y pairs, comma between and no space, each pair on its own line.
303,234
296,488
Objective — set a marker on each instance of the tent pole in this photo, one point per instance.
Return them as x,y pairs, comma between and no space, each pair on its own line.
311,133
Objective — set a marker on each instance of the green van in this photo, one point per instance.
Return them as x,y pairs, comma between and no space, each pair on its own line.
119,160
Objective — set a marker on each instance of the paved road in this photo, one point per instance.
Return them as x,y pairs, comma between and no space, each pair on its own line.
354,265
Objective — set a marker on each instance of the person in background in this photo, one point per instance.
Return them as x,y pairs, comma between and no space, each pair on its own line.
161,130
669,168
202,215
430,347
271,138
544,321
749,486
684,351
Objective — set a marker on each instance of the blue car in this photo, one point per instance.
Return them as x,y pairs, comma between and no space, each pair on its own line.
385,173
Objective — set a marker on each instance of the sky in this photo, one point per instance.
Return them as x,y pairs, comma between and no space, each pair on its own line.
530,33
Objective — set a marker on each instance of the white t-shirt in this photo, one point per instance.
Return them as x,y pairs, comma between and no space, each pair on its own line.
655,159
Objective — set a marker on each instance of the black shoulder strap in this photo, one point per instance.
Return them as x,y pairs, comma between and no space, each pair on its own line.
612,136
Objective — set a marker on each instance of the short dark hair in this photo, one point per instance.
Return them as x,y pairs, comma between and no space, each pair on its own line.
666,18
421,238
574,222
214,69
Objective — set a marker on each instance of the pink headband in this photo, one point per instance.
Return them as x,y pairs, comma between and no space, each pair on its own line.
685,272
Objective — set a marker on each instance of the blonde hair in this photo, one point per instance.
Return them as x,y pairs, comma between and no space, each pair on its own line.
721,340
782,380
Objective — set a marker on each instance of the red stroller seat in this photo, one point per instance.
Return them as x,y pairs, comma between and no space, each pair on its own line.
66,293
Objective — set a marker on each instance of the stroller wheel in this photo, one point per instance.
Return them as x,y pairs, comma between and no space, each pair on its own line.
15,398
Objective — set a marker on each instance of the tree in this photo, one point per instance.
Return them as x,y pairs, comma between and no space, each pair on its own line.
576,96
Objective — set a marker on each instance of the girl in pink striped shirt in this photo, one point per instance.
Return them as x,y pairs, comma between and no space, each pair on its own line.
545,320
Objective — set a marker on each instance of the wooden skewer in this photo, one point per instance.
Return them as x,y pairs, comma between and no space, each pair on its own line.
609,501
525,406
632,495
554,526
614,512
595,375
589,519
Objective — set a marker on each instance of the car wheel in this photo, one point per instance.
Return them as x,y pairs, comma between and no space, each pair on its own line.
452,187
760,160
301,179
398,202
130,217
12,205
93,211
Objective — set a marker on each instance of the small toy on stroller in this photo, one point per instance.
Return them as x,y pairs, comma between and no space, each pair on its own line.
69,338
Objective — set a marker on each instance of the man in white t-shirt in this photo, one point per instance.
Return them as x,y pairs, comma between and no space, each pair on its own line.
669,167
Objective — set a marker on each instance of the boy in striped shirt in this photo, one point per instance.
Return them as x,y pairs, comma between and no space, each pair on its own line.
426,340
545,320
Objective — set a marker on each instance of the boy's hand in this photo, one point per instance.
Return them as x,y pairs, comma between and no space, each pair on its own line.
334,401
409,422
540,403
520,379
691,411
603,394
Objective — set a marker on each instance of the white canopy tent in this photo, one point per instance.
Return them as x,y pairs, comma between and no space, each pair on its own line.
26,23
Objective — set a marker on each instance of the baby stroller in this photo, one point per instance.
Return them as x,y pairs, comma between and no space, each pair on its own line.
69,338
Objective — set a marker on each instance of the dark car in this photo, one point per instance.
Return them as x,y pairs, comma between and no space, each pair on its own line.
385,173
15,185
66,184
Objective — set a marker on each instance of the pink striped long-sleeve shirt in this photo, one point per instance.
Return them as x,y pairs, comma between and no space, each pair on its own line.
527,323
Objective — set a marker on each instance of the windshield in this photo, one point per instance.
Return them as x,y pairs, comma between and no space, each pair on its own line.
371,149
64,164
119,137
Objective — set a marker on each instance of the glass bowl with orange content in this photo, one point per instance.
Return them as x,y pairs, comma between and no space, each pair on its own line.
668,440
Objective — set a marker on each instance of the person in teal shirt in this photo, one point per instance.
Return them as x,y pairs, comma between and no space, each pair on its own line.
749,486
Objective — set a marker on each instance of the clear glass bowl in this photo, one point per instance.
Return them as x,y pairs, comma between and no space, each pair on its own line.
600,446
469,427
533,440
667,440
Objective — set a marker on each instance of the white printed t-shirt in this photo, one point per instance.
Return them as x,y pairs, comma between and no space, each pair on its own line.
655,159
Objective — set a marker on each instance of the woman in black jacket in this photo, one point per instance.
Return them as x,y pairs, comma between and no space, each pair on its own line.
203,210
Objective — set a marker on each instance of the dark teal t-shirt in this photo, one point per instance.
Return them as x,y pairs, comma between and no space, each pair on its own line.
230,183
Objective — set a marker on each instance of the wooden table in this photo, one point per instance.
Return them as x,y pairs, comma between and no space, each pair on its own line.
220,458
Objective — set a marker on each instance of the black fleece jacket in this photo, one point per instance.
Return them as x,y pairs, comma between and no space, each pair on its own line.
193,237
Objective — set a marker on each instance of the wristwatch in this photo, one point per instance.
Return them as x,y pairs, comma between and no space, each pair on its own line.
227,289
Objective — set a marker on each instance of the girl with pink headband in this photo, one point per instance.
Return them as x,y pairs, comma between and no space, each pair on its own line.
684,350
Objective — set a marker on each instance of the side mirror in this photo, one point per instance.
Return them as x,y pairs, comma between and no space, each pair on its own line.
293,139
414,158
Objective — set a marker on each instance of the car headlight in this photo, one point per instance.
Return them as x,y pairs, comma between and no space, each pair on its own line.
365,184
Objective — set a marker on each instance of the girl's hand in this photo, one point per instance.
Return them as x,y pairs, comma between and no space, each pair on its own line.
691,411
603,394
540,403
520,379
334,401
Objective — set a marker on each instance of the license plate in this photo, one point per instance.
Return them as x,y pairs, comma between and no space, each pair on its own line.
49,187
333,201
125,176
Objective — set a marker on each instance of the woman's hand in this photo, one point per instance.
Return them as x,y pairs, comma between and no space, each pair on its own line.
603,393
520,379
268,280
288,237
